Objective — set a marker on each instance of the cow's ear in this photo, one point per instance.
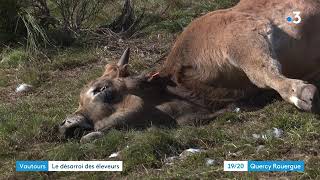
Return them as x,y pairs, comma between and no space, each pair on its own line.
111,71
124,60
120,69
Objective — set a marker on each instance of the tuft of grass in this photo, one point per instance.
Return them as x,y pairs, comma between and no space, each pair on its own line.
181,13
4,80
14,58
23,68
36,35
71,58
34,75
195,137
148,149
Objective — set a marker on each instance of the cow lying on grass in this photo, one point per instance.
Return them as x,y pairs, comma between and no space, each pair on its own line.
220,58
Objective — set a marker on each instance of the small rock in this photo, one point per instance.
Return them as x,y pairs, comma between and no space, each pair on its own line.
191,151
210,162
236,154
237,110
259,148
256,136
274,133
264,136
114,155
23,88
277,133
170,160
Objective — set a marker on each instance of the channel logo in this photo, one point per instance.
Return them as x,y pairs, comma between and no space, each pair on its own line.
295,19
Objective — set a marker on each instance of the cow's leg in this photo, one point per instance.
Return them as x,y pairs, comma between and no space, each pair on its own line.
200,118
259,63
114,121
187,113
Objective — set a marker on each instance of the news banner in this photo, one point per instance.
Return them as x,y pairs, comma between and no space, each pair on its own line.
244,166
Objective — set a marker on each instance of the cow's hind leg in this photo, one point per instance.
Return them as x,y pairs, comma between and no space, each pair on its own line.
259,63
187,113
196,119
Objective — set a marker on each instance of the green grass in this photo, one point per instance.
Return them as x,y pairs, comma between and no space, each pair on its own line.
14,58
18,65
71,58
146,151
180,13
27,121
4,80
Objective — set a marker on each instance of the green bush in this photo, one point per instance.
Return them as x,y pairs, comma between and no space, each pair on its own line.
18,21
10,26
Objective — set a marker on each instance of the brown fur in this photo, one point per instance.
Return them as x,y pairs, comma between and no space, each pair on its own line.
220,57
231,53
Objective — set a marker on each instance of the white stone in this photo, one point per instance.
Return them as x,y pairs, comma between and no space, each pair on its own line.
259,148
237,110
23,88
191,151
277,133
256,136
170,160
210,162
114,155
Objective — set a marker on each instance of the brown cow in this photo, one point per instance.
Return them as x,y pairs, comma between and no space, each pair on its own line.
220,57
116,100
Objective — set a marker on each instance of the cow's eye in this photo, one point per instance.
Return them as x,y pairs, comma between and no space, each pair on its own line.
100,89
96,91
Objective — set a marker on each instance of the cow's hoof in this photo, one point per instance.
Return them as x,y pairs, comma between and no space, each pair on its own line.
307,98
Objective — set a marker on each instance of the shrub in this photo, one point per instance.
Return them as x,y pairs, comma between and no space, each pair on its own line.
10,26
18,22
76,14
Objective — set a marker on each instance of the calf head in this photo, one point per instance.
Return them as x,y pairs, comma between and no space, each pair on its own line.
119,69
100,98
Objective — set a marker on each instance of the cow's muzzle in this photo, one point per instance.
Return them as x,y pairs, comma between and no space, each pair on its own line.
74,126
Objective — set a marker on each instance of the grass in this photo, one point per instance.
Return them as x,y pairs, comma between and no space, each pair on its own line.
13,58
146,151
71,58
180,13
27,120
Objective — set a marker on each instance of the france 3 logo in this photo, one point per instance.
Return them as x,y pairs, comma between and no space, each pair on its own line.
296,19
